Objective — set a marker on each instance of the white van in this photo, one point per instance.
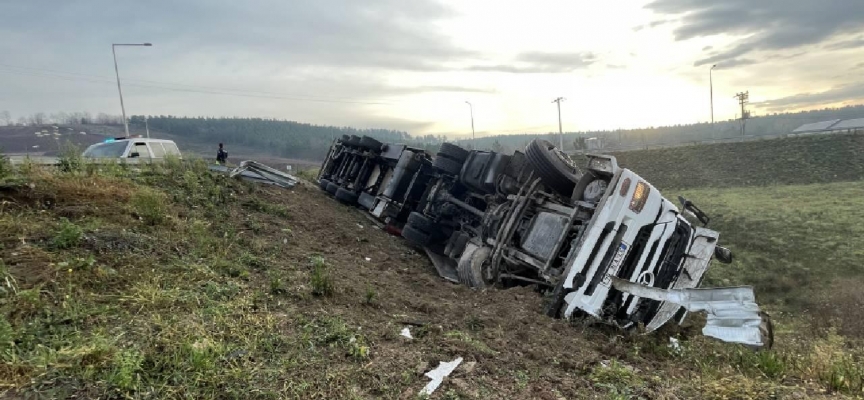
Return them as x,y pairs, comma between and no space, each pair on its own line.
134,147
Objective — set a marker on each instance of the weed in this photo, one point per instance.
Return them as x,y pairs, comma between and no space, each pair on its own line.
68,236
471,341
70,158
5,166
474,324
149,205
322,283
277,286
125,370
371,296
522,380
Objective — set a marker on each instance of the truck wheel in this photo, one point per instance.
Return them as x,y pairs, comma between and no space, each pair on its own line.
415,236
453,152
552,166
332,188
323,184
456,244
368,143
346,196
471,266
447,166
420,222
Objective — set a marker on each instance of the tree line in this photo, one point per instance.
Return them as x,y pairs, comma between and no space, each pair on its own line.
277,137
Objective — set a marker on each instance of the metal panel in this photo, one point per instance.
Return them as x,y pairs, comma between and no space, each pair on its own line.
816,126
857,123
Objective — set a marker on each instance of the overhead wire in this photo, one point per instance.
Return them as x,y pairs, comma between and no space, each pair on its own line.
72,76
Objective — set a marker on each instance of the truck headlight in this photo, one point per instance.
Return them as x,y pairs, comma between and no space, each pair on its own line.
640,196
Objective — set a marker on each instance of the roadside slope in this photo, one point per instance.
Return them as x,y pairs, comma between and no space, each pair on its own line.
171,282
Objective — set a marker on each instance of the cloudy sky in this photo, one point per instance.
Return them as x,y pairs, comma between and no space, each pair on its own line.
411,65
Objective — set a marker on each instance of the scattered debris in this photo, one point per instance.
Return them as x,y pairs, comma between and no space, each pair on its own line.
406,332
257,172
368,259
675,345
438,374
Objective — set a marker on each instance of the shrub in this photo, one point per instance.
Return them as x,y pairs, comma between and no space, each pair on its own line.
5,165
68,236
149,205
70,158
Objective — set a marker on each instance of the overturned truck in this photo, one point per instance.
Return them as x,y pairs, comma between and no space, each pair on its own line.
600,242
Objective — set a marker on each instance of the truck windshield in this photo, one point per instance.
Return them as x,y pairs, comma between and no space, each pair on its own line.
106,150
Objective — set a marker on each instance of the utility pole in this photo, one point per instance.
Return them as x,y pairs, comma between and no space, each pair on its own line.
147,127
471,107
743,99
560,131
117,71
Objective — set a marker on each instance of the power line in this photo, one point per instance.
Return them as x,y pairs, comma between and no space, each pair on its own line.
26,71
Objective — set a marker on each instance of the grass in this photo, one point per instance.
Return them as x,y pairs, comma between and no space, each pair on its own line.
151,282
790,242
790,161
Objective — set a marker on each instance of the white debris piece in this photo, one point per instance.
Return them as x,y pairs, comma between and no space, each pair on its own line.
438,374
360,226
368,259
733,315
674,345
406,333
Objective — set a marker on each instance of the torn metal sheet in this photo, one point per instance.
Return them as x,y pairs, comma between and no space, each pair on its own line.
257,172
733,315
438,374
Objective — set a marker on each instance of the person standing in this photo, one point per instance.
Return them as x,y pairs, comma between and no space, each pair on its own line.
221,155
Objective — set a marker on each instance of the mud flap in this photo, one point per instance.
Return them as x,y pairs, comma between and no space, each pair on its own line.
445,266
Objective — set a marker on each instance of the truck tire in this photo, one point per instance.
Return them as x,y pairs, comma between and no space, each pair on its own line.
332,188
346,196
456,244
420,222
322,183
453,152
550,165
447,166
368,143
471,266
415,236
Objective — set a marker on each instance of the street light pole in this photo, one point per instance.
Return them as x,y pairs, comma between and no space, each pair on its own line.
471,107
117,71
560,131
711,85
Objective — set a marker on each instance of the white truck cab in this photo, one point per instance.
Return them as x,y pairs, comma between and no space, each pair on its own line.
133,147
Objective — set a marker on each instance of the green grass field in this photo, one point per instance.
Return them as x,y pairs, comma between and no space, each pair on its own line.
788,241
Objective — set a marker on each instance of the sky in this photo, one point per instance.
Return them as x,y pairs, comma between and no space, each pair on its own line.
413,65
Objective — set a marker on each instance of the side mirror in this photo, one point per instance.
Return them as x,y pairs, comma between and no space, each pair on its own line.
691,209
134,154
723,254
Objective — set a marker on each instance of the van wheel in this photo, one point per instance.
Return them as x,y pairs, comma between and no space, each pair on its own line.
323,184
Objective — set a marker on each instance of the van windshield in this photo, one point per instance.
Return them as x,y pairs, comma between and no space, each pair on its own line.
106,150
